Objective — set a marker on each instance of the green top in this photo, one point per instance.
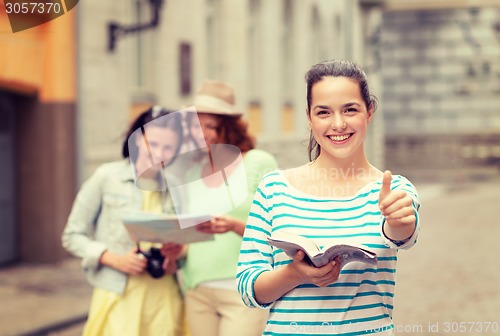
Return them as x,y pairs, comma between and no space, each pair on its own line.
218,259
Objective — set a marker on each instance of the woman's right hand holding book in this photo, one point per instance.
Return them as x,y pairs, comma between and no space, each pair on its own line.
272,285
304,272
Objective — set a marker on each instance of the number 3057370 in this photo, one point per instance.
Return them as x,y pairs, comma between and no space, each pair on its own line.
468,327
33,8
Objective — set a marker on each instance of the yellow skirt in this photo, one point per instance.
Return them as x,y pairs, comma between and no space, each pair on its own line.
147,307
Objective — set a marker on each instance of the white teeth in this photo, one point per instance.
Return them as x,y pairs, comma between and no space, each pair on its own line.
339,137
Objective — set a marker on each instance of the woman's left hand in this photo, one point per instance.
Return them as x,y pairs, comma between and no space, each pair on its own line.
222,224
170,266
397,208
171,252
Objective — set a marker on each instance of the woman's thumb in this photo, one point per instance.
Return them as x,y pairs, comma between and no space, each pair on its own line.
299,256
385,190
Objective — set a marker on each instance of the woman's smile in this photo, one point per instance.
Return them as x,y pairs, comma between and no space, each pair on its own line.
340,139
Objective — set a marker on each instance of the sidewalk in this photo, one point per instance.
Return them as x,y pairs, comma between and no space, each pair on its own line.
452,276
37,297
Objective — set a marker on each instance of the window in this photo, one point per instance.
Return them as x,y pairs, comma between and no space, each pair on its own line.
254,49
212,38
141,49
287,46
316,35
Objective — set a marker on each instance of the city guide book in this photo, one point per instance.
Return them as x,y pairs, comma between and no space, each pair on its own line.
291,243
163,228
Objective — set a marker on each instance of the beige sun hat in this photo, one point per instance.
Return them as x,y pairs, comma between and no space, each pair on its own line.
216,97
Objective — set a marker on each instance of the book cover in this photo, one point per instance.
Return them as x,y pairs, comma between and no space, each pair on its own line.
319,256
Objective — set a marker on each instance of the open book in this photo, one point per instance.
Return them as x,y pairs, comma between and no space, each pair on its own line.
291,243
163,228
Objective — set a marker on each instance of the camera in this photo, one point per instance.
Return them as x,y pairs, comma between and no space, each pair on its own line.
154,261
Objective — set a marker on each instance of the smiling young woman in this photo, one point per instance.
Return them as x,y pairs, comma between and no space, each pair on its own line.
339,118
126,300
339,197
213,305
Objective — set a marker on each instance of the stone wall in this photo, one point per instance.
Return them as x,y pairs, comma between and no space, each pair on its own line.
441,78
444,157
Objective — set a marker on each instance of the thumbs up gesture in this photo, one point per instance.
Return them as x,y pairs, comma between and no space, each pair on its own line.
396,206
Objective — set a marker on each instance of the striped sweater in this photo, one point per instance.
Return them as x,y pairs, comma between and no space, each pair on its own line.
361,301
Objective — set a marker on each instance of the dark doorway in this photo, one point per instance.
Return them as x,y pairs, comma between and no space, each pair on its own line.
8,232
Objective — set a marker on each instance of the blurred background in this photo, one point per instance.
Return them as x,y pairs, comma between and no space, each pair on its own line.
69,87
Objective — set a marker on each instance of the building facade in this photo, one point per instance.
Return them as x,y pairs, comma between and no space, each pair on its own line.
263,48
37,137
67,94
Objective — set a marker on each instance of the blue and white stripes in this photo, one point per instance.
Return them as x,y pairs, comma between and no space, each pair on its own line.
361,301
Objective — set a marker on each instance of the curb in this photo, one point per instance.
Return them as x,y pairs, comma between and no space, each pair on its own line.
56,326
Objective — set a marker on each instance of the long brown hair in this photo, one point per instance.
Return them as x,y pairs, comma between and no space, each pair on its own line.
231,130
234,131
